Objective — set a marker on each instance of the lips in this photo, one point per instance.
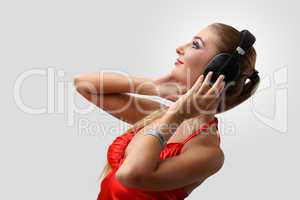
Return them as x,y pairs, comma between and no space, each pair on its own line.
179,61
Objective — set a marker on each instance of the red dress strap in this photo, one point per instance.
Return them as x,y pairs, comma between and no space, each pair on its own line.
203,127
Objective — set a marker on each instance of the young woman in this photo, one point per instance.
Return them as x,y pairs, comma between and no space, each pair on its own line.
138,166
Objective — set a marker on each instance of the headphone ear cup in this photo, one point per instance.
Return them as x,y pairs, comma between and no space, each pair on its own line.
216,65
234,72
219,66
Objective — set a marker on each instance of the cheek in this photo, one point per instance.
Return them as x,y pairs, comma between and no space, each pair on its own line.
197,62
196,59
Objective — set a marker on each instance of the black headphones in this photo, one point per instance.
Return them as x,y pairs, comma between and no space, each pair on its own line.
227,64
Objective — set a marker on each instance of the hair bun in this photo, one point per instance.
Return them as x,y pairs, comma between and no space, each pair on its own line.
254,75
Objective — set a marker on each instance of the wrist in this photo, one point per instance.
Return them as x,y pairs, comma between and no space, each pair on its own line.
204,118
168,124
176,110
175,115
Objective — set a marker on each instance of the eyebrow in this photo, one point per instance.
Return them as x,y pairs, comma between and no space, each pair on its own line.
200,38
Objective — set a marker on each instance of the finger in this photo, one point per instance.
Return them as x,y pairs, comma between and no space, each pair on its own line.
205,85
217,91
217,85
212,101
198,83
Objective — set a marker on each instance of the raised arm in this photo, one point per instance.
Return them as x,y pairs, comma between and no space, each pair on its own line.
113,82
111,92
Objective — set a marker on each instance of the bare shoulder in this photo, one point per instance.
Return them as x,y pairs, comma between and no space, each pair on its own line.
209,156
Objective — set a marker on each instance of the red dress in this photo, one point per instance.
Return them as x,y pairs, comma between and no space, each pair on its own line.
112,189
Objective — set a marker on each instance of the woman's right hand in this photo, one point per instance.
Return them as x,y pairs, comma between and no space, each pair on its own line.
202,98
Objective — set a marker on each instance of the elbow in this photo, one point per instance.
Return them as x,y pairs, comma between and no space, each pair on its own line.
130,179
76,79
218,161
86,83
76,82
81,84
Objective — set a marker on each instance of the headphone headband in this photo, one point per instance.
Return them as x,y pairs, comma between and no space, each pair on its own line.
246,41
227,63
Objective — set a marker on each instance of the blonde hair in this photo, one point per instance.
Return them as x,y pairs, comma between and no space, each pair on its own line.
227,41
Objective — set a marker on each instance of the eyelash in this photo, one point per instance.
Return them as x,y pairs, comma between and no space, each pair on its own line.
197,44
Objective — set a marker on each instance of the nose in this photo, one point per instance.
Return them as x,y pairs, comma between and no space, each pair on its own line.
180,50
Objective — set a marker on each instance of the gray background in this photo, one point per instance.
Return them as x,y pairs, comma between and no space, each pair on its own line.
49,156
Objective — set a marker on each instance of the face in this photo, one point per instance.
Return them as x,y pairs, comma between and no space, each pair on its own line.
194,56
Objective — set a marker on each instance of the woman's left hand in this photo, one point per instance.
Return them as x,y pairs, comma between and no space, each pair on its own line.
202,99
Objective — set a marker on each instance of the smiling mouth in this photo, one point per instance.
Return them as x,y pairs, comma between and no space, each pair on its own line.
179,61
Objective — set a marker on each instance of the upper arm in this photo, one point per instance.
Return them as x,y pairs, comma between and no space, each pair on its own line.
124,106
188,167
